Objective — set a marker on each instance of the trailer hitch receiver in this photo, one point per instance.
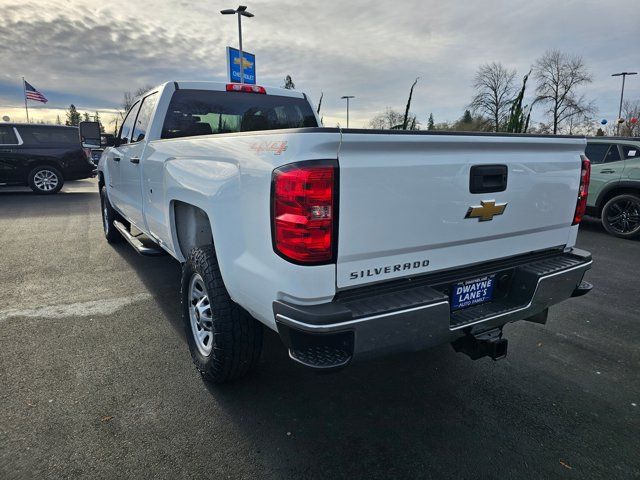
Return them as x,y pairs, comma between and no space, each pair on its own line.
482,344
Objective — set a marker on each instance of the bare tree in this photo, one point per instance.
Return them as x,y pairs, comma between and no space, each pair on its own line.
630,110
494,85
391,119
559,75
387,119
128,98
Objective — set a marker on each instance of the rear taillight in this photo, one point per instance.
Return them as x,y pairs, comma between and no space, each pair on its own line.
583,192
87,153
304,211
243,87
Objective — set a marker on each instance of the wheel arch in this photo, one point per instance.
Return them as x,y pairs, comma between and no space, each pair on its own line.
620,188
191,227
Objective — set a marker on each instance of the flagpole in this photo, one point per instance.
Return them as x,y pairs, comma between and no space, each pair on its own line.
24,91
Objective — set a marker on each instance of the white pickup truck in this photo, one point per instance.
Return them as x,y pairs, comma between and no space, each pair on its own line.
347,243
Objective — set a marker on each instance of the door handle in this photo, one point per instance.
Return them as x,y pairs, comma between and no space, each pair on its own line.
116,159
488,178
135,160
6,150
607,170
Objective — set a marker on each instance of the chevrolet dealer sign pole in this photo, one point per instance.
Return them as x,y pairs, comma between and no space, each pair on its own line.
242,12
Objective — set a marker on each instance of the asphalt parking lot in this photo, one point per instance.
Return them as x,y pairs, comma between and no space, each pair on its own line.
96,379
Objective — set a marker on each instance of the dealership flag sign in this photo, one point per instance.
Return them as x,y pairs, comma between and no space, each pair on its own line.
233,66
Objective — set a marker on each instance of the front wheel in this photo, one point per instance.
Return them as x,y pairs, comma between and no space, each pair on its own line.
108,216
621,216
45,180
224,340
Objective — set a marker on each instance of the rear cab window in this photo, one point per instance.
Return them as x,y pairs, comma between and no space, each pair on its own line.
49,135
206,112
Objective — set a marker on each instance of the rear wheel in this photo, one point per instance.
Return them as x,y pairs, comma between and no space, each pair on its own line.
621,216
108,216
224,340
45,180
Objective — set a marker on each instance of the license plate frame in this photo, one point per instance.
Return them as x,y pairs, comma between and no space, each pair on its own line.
473,291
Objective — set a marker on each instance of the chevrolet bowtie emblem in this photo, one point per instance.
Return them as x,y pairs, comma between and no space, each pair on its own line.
486,211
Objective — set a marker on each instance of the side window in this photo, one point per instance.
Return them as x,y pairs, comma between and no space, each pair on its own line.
127,125
613,155
44,135
629,151
144,116
7,136
596,152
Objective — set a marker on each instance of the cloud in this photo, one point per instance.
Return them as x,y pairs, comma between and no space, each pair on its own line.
89,52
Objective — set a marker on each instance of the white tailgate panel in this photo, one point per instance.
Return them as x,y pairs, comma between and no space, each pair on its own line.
403,200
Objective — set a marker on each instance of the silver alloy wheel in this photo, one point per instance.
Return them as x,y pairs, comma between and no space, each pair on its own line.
200,315
45,180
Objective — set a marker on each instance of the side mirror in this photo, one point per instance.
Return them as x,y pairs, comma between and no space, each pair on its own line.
90,134
108,141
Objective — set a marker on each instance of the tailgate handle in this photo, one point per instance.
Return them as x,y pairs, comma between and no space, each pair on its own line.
488,178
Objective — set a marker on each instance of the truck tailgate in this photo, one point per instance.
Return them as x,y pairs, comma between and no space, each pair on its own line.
404,199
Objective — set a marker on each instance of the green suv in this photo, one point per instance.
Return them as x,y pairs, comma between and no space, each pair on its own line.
614,191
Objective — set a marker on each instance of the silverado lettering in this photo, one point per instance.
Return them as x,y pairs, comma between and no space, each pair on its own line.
398,267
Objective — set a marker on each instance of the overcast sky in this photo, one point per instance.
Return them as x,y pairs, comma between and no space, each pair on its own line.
88,52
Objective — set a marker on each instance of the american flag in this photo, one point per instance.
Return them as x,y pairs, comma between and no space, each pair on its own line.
33,94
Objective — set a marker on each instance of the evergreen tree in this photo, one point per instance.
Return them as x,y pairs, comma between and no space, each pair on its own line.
86,117
467,118
96,118
288,83
518,122
405,121
600,132
73,116
58,121
430,123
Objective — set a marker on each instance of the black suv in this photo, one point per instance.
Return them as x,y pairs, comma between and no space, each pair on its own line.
42,156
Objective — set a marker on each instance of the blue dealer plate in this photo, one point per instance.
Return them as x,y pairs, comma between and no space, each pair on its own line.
472,292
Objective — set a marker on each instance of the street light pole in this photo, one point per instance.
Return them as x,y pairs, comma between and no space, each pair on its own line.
347,98
240,48
241,11
624,76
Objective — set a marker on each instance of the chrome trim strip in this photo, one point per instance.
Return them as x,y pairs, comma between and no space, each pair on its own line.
309,326
19,137
510,312
425,248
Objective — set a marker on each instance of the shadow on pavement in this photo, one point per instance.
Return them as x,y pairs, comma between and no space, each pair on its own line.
161,276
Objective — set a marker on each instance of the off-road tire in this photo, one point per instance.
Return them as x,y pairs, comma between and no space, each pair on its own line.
237,337
608,212
36,183
108,216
